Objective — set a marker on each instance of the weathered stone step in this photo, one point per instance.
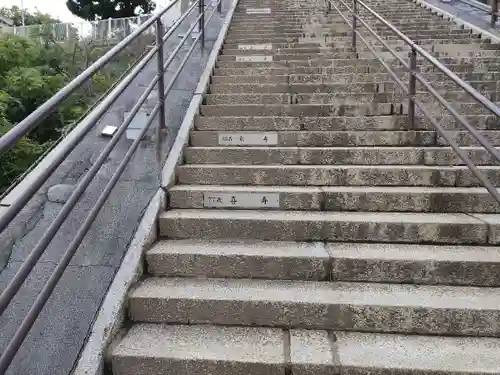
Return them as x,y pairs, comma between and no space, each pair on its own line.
341,108
305,35
297,110
323,62
336,198
327,63
371,155
239,259
287,51
334,175
337,123
452,54
325,29
334,98
389,263
270,46
322,305
332,37
332,138
154,349
351,138
320,16
339,97
436,78
278,56
336,19
298,93
347,42
284,70
148,349
354,81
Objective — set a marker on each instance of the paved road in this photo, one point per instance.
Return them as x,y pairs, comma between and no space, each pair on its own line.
467,13
58,335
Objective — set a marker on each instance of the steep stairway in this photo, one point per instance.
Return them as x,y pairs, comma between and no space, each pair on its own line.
311,229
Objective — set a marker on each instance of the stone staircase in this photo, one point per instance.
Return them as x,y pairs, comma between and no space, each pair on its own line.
311,230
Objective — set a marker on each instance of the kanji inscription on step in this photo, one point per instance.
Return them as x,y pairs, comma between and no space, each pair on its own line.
258,11
241,200
248,139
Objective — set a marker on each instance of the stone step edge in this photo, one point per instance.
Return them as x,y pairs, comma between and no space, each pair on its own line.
306,138
472,200
258,350
343,226
323,261
372,307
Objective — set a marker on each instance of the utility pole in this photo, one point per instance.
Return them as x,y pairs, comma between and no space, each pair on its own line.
22,12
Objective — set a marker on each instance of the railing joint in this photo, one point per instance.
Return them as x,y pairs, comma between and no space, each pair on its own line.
161,73
412,87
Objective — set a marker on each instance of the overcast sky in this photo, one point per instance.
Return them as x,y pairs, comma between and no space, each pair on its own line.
56,8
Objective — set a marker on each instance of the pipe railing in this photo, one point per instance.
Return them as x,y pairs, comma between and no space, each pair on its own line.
492,9
414,77
12,137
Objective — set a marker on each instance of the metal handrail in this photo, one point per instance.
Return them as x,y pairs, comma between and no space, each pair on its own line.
11,138
415,76
492,10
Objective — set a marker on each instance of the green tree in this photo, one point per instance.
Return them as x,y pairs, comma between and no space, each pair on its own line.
92,10
36,18
20,157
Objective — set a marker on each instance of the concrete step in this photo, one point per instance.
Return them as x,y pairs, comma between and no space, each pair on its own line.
337,21
337,123
296,110
326,138
332,37
334,175
401,227
387,263
436,79
288,56
489,87
368,61
354,138
340,96
370,155
305,34
148,349
372,68
340,306
336,198
340,108
318,89
314,93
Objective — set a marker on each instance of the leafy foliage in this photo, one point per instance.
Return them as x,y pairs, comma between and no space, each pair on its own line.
36,18
92,10
33,70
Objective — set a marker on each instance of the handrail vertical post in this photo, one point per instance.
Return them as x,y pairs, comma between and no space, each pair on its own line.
354,21
412,87
161,74
202,23
494,11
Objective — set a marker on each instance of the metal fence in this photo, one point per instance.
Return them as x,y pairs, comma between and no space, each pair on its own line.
109,30
11,138
356,23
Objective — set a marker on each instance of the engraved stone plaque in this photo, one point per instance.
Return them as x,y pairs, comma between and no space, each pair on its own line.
258,10
248,139
241,200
